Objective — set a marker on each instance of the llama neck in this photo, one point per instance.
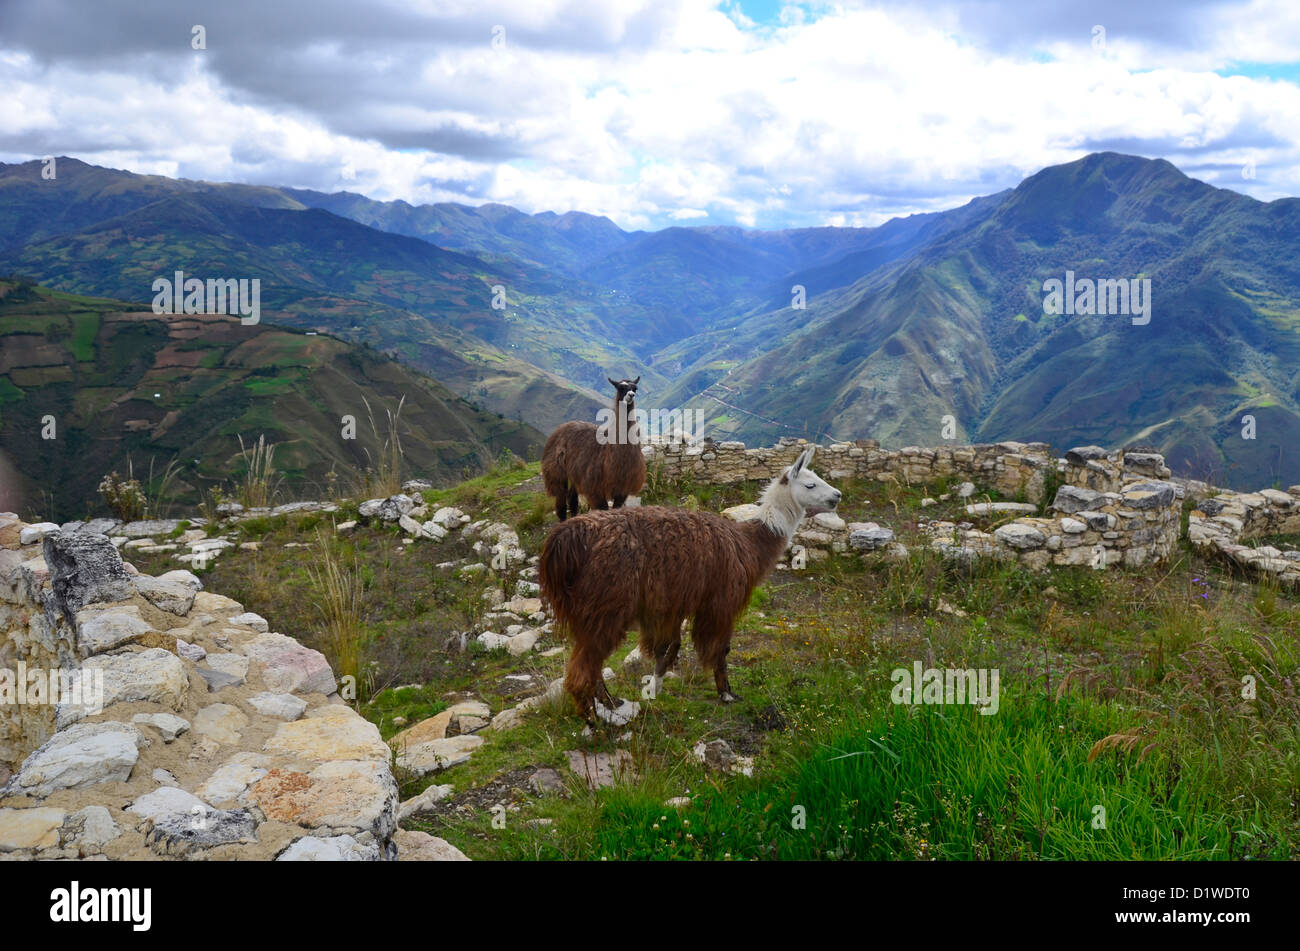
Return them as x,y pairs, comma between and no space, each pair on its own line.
781,516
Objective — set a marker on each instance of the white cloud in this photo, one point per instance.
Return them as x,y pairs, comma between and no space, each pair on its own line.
650,112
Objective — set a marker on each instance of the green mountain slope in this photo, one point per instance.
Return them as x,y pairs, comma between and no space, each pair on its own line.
119,383
959,329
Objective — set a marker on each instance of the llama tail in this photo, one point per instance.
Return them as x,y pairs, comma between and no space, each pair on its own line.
564,556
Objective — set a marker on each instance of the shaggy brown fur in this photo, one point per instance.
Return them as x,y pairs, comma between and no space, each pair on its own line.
576,462
605,572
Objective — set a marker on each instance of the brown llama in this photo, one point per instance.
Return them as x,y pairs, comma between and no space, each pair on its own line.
607,571
601,462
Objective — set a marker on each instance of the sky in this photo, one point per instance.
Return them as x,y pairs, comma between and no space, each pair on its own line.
655,112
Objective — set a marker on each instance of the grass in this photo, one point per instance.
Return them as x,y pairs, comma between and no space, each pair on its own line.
1124,728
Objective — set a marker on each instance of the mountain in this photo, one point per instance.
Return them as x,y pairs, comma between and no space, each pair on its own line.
958,328
120,384
903,325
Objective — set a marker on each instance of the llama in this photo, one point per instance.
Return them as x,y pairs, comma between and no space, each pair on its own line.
584,458
606,571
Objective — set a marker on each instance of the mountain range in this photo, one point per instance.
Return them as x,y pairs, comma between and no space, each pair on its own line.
926,328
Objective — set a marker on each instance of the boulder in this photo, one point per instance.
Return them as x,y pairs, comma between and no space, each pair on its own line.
84,569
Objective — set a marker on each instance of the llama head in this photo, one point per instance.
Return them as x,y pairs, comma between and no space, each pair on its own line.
807,489
796,492
625,394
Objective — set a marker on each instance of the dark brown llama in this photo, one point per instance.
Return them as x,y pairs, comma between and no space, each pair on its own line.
651,568
601,462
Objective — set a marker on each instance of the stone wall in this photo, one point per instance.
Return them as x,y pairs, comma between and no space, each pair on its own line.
1010,468
1220,525
1136,526
211,736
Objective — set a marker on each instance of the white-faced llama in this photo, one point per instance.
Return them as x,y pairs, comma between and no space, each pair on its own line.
602,466
605,572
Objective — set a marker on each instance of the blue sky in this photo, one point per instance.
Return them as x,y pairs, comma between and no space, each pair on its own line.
656,112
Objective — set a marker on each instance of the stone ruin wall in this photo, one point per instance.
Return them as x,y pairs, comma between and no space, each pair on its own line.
1109,507
217,737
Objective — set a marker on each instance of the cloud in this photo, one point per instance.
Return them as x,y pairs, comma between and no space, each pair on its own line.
652,111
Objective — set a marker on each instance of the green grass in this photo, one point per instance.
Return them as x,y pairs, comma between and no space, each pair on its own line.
1120,690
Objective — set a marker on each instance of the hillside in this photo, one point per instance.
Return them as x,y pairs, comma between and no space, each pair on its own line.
124,384
959,328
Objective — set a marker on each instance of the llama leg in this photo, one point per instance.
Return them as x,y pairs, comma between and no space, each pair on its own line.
665,658
619,500
713,642
582,680
560,500
573,501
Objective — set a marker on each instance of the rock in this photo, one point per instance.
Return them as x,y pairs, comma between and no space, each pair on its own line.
493,641
716,754
164,778
336,732
546,780
1020,536
1072,499
870,539
337,848
80,756
416,485
167,801
169,725
421,847
394,507
423,758
233,665
181,835
625,713
424,802
88,830
190,651
102,629
279,706
1072,526
991,508
149,528
369,508
435,727
30,828
432,530
153,675
230,782
221,722
523,606
342,796
1148,495
249,619
84,569
345,527
633,657
523,642
1082,455
218,680
742,513
409,525
447,517
601,769
170,596
35,533
289,667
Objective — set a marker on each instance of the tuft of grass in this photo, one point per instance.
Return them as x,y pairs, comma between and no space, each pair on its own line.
340,594
259,479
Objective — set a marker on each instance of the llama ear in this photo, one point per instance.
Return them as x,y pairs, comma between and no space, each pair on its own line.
798,463
636,381
612,382
808,454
